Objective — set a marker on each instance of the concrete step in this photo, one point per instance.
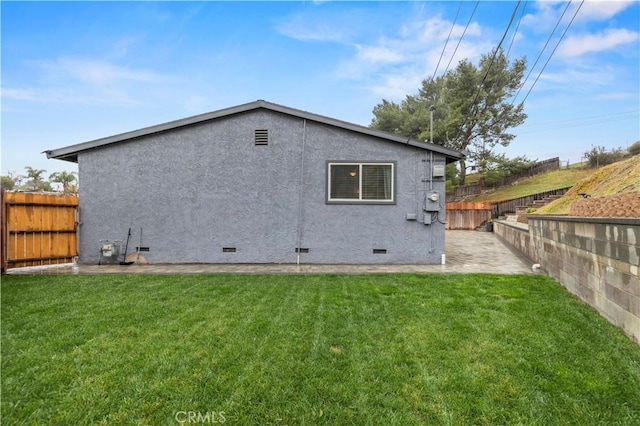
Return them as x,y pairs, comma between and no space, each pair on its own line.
512,218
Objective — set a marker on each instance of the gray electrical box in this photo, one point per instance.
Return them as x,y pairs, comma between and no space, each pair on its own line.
438,170
432,202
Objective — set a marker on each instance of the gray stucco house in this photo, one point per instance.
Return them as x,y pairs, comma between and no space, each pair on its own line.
263,183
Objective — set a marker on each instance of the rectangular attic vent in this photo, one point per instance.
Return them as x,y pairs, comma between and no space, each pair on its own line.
228,249
262,137
379,251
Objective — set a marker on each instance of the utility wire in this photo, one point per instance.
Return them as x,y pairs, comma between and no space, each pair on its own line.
447,41
461,37
541,52
591,117
587,121
524,6
554,50
495,52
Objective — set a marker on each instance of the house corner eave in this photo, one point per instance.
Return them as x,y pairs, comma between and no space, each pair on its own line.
59,155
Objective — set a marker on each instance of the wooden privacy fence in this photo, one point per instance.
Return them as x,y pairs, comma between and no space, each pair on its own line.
501,208
476,188
38,229
467,215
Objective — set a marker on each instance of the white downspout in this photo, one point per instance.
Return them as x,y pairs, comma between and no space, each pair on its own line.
304,138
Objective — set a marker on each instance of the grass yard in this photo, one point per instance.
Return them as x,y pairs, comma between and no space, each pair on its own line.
318,349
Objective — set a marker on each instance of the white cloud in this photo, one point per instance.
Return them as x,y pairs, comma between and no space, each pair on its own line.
579,78
123,47
395,65
20,94
68,95
547,13
545,16
601,10
86,81
397,86
432,30
605,40
320,27
617,96
318,32
379,54
98,71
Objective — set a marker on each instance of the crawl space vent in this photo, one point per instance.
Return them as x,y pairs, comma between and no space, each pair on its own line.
262,137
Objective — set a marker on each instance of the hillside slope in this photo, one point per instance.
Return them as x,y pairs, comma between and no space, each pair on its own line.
613,191
549,181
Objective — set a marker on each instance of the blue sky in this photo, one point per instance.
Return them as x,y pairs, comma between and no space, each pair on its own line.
78,71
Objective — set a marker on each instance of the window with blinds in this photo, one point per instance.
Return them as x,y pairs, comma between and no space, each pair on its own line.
361,182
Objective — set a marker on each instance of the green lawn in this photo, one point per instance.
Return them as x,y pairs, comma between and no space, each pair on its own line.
318,349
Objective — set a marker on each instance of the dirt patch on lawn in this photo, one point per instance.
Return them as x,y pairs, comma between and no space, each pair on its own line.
336,349
619,205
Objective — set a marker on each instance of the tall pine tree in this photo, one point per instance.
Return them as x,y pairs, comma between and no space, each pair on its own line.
473,108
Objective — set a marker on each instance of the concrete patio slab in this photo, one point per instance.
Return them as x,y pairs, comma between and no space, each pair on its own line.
466,252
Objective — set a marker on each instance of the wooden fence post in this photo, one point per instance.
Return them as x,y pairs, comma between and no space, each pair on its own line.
3,239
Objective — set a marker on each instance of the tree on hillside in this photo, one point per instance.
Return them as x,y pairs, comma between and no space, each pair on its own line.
499,167
471,108
65,178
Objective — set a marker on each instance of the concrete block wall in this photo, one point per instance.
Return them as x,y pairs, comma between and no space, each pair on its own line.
594,258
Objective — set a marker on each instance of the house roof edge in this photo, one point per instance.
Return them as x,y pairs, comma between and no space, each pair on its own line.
70,153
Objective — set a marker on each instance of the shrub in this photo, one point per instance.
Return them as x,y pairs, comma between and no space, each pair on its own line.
598,156
498,167
634,149
7,183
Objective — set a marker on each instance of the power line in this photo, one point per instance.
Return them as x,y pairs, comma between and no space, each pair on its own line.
600,116
541,52
493,57
515,32
554,50
447,42
580,122
461,37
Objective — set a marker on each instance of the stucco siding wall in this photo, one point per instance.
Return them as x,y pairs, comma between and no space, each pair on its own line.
198,189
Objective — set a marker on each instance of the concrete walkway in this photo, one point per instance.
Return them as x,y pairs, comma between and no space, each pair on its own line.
466,252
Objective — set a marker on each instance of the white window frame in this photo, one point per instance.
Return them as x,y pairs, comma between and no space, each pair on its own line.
359,200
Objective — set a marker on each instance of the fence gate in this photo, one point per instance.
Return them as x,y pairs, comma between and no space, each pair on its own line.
467,215
38,229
